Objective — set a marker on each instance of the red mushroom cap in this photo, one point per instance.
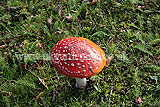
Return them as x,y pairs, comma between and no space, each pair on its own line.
78,57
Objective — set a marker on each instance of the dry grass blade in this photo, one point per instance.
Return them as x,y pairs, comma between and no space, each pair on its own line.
69,17
43,82
85,1
60,31
54,95
74,11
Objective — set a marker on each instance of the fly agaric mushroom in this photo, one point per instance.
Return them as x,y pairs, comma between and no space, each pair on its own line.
79,58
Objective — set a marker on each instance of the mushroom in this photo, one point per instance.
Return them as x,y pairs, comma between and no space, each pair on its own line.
79,58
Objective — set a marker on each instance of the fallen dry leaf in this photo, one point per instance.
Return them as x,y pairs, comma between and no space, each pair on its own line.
120,31
41,45
141,7
9,40
59,10
138,100
9,94
102,25
3,46
69,17
49,20
108,61
13,8
150,3
93,2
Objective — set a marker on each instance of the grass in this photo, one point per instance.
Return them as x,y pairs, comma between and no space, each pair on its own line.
128,30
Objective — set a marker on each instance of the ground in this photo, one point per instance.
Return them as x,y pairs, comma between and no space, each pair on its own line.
127,29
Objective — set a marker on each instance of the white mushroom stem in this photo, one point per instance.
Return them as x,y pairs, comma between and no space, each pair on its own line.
81,82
